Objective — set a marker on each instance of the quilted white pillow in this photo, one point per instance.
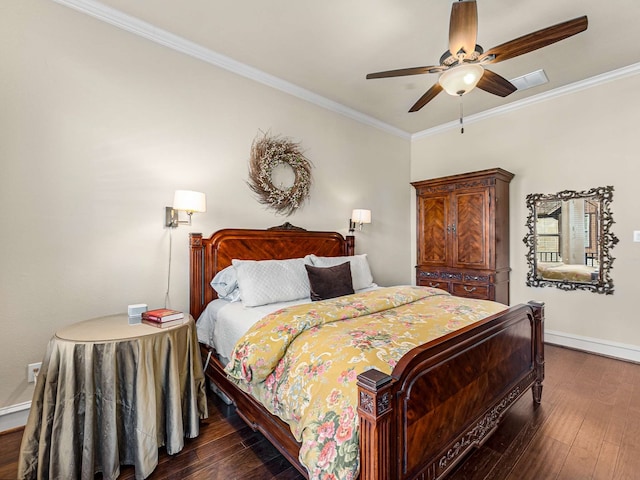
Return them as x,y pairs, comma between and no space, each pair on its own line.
269,281
360,271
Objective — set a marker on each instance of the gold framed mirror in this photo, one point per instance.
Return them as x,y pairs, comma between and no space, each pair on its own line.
570,240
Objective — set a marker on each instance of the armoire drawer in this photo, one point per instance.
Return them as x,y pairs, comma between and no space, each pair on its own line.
429,282
470,291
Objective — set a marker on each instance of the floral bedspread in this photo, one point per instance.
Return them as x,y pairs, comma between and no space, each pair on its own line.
302,361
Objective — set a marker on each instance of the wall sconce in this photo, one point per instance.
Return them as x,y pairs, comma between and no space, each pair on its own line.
358,217
188,201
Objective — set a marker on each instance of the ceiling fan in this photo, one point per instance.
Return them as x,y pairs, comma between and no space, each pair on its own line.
462,66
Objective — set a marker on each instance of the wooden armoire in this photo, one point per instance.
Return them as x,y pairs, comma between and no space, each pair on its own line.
462,233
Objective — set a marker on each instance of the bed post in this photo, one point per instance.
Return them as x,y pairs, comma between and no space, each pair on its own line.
196,273
350,245
375,408
538,358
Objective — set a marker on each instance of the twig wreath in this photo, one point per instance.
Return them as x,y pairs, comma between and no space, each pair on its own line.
269,152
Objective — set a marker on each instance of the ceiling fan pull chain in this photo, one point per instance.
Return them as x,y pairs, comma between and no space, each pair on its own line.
461,117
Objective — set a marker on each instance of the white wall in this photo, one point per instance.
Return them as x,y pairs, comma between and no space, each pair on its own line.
98,127
578,141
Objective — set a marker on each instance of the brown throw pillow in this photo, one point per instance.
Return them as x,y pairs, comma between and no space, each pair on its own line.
330,282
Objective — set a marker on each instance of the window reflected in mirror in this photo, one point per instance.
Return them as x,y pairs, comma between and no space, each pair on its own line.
570,240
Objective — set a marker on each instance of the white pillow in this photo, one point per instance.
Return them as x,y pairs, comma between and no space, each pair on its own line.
269,281
225,283
360,271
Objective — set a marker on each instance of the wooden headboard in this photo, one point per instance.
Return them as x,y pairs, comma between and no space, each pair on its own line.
210,255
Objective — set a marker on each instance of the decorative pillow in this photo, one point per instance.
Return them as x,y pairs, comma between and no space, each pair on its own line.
330,282
225,283
269,281
360,271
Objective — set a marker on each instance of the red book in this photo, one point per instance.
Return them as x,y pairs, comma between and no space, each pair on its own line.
167,324
162,315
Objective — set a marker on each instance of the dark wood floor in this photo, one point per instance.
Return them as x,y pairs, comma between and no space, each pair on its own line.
588,427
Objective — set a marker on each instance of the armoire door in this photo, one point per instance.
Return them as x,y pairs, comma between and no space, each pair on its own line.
472,235
433,222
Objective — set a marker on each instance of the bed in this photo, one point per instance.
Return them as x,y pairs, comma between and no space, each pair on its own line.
440,399
569,273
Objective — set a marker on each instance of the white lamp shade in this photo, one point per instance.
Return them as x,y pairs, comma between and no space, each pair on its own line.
189,201
461,79
361,216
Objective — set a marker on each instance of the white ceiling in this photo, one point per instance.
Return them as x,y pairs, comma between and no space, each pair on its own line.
328,46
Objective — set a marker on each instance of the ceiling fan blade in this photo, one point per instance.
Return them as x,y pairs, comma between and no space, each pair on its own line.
427,97
406,71
536,40
463,27
493,83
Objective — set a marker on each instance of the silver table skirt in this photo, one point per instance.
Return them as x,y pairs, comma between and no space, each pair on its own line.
110,394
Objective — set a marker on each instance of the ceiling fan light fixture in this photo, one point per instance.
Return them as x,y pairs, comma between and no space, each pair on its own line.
461,79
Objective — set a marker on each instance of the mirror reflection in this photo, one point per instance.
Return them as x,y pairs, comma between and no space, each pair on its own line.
569,240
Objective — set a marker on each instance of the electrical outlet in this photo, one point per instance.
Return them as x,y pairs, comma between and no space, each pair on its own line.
32,371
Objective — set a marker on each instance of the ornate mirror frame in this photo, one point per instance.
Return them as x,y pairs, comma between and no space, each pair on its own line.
606,240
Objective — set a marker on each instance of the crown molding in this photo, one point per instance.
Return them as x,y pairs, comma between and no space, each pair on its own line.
146,30
175,42
611,76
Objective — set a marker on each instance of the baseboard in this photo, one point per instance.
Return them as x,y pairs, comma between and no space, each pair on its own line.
14,416
607,348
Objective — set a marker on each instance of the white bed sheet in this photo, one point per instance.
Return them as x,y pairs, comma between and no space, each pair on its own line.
223,323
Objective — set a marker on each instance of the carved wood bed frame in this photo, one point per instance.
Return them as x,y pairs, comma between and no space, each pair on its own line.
442,398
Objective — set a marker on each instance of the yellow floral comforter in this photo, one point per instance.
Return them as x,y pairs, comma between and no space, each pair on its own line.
302,362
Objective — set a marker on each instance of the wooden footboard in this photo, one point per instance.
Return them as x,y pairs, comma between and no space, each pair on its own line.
447,396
